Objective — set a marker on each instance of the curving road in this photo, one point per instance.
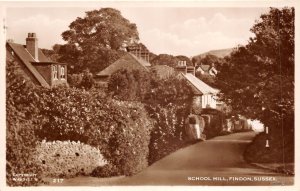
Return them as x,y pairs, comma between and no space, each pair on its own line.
218,161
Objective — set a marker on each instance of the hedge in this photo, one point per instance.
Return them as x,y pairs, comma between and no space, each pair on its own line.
119,130
67,158
21,139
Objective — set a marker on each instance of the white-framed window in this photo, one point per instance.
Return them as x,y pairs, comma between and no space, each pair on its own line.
54,72
62,72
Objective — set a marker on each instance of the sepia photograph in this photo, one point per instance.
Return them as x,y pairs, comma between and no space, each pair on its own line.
147,94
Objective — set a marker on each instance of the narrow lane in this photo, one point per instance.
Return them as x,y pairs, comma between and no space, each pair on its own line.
218,161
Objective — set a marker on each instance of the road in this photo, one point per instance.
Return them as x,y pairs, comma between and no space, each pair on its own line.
218,161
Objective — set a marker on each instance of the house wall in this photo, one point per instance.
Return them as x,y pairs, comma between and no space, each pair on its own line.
207,100
59,80
22,69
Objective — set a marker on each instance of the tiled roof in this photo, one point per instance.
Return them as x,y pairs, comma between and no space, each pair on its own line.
128,61
199,85
141,61
26,58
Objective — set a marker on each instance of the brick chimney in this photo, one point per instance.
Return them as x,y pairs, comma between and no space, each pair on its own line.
191,70
32,45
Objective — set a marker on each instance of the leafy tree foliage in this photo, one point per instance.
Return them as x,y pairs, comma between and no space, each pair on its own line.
129,85
258,79
208,59
96,40
101,28
87,81
170,60
167,101
165,59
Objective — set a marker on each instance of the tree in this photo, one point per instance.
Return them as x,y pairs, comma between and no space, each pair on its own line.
129,85
97,40
208,59
170,60
257,80
165,59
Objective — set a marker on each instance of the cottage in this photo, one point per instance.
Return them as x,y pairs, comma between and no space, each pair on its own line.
34,65
204,95
136,58
207,69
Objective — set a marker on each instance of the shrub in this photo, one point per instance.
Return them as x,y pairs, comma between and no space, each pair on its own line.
281,142
107,170
67,159
120,130
129,85
168,104
20,131
128,149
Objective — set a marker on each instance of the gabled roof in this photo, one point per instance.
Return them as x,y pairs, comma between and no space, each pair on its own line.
128,61
141,61
27,59
205,68
199,85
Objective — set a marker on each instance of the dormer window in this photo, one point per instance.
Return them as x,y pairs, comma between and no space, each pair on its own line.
62,72
54,72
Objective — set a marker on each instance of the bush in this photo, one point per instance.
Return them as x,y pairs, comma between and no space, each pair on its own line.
67,159
20,131
128,149
168,104
281,148
107,170
214,120
129,85
120,130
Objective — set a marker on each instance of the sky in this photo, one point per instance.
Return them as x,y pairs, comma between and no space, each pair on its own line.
164,30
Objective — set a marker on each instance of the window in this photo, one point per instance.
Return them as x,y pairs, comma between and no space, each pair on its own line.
54,72
62,72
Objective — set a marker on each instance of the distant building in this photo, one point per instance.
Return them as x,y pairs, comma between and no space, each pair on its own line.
207,69
34,65
204,95
136,58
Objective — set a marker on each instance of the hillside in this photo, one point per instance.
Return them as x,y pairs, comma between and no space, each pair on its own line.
221,53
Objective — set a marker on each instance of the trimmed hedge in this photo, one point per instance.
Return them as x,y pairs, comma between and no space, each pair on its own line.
67,159
120,130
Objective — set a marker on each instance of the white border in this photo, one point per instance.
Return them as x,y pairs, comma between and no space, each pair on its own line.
136,3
